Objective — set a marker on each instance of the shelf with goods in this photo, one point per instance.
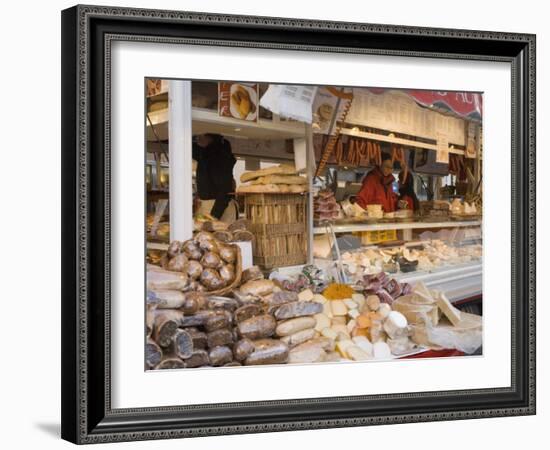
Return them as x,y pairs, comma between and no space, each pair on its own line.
209,121
358,227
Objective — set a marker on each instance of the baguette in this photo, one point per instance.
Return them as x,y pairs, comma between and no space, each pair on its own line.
273,188
259,189
280,179
283,169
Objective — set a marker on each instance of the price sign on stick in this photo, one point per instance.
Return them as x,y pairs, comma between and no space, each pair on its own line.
442,152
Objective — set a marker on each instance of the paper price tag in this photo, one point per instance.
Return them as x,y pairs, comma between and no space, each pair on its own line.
442,152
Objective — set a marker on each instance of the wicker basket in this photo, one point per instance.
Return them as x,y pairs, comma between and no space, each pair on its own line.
238,273
278,222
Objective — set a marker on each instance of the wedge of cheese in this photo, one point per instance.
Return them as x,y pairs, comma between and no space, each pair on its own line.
452,313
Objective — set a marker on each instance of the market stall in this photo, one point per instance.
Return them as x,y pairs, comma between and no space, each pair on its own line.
304,273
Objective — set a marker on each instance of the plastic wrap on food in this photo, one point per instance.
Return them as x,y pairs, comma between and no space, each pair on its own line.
166,280
466,337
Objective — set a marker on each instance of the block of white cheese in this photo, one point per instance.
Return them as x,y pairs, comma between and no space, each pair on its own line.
341,329
323,321
359,300
383,310
306,295
341,347
329,333
350,303
381,350
339,320
357,354
423,293
373,302
327,309
318,298
338,308
364,344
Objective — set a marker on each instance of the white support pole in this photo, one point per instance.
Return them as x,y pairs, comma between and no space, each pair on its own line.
310,167
181,163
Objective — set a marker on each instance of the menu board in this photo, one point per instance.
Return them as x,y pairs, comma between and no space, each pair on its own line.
395,111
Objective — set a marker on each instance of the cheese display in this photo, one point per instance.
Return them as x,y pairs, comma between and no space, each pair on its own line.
298,320
424,256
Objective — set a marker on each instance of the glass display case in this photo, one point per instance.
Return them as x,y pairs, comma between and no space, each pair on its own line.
445,255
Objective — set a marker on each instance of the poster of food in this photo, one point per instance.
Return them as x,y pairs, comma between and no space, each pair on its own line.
323,111
238,100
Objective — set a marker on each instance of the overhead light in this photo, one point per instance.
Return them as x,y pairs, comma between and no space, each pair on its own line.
237,129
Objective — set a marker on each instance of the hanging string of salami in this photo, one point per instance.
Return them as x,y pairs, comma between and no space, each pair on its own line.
457,166
398,154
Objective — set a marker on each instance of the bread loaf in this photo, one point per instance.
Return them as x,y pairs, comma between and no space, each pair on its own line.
278,170
280,179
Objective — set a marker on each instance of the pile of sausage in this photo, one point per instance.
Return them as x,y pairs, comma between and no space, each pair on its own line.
259,324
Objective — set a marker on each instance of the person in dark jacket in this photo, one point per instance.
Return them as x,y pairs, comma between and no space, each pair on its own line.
406,190
214,176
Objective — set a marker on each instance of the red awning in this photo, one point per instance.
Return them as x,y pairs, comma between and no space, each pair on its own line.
464,104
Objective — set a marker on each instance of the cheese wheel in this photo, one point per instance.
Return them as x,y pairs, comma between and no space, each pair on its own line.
395,324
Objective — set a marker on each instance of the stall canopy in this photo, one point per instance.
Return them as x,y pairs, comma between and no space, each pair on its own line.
463,104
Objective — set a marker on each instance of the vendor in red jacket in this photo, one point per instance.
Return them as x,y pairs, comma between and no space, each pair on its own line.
377,187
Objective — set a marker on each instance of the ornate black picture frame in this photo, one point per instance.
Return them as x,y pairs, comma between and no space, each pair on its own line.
87,34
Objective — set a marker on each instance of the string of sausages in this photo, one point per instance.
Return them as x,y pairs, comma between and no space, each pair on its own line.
457,166
357,152
398,154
